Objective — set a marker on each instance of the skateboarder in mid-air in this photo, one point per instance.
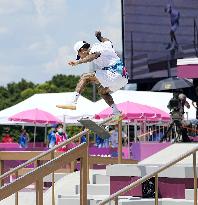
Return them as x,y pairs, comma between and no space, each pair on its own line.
110,77
174,17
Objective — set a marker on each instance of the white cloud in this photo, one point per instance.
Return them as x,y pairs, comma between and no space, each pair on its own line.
43,46
3,30
14,73
114,34
112,15
112,11
10,73
39,6
60,63
47,10
12,6
38,30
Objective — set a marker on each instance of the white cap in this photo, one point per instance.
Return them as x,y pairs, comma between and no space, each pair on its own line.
79,45
182,96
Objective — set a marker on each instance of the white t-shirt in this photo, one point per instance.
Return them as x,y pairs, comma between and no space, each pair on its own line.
113,139
108,55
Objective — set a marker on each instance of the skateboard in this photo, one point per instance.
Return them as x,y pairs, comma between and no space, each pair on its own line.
94,127
99,129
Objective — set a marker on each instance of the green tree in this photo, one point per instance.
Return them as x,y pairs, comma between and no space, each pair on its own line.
27,93
14,93
46,87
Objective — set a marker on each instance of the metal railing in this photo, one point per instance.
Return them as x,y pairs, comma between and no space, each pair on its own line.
47,168
51,151
18,184
156,174
196,37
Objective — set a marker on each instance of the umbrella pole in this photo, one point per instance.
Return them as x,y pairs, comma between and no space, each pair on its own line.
129,155
163,128
34,135
45,139
135,130
64,123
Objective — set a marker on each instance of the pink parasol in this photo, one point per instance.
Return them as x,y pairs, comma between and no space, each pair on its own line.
35,116
135,111
164,116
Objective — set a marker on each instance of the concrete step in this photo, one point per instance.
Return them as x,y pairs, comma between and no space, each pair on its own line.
57,176
101,179
171,152
91,199
123,200
75,199
24,197
165,201
189,194
95,189
64,201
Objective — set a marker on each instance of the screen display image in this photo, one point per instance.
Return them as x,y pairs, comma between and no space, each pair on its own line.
157,33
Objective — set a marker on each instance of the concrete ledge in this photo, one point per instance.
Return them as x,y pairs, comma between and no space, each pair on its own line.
123,170
166,201
96,189
101,179
178,171
73,201
92,199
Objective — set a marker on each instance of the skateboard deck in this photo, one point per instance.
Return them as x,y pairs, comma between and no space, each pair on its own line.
94,127
97,128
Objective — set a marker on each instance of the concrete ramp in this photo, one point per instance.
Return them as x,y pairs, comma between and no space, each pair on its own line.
168,154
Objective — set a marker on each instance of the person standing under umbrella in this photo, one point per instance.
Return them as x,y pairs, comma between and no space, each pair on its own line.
7,138
23,139
60,137
176,107
52,137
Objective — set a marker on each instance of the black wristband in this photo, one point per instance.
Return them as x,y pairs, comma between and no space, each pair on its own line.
99,37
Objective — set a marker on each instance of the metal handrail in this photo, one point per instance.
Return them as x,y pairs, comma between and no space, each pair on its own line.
39,173
43,154
196,36
51,150
155,173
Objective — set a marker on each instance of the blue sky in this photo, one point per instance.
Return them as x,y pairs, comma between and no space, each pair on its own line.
37,36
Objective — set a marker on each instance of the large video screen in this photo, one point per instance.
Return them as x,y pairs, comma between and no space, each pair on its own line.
156,34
